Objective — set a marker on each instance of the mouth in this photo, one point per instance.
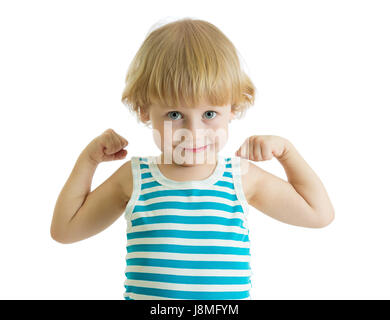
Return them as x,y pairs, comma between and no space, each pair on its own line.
196,149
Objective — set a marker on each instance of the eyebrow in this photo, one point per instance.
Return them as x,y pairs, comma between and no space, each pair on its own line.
166,108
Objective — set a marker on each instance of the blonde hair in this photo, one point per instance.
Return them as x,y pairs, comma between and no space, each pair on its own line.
187,62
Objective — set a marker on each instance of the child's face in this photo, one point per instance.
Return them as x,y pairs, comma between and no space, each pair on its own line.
190,135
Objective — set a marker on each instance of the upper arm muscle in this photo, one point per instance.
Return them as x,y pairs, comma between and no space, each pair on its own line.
102,206
278,199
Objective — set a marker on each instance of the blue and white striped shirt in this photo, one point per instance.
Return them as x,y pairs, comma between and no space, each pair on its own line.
187,239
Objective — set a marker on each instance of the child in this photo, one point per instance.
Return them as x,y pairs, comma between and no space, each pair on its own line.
187,230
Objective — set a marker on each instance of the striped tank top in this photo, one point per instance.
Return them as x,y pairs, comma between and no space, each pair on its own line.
187,240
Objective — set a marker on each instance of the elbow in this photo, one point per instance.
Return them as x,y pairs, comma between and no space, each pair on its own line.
58,237
326,219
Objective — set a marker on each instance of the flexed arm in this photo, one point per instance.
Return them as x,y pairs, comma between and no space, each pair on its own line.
302,201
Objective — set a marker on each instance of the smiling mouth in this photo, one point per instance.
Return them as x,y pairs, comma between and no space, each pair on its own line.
196,149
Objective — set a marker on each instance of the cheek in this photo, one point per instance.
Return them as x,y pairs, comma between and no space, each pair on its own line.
221,133
162,135
158,133
157,137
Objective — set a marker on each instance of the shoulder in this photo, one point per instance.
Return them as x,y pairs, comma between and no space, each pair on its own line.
251,174
124,177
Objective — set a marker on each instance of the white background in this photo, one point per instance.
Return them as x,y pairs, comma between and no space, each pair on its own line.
322,73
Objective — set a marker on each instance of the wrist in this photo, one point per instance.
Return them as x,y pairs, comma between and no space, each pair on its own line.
288,149
86,159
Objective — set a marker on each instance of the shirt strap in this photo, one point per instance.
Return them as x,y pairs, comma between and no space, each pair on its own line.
237,179
136,172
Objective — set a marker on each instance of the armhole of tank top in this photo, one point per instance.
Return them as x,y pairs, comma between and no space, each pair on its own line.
237,179
135,169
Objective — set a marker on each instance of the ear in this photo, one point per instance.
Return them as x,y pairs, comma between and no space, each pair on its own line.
144,114
232,116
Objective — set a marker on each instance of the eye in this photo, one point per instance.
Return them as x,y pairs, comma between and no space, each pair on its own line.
173,115
210,114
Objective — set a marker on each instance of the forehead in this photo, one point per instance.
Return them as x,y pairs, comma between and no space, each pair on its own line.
202,106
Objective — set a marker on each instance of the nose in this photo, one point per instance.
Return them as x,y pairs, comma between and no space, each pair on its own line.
192,124
195,134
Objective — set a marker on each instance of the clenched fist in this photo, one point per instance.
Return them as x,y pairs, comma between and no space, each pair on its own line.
263,147
107,147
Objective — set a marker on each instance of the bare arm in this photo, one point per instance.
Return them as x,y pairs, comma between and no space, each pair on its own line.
306,183
80,213
301,201
72,195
